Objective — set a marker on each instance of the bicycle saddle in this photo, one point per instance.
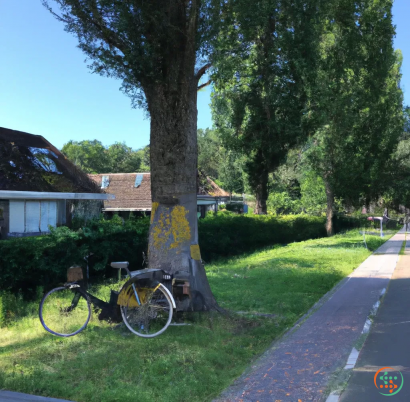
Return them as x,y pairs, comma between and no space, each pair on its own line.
121,264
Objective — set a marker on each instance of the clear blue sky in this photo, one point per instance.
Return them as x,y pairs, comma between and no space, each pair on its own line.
46,88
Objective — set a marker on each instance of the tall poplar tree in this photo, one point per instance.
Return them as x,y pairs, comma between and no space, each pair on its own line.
358,104
160,49
262,89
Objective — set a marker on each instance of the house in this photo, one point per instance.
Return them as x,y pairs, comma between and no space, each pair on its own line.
133,193
39,186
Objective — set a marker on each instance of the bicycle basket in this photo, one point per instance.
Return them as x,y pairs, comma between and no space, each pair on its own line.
74,274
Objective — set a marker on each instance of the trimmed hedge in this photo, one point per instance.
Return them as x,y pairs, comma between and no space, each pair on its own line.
26,263
229,234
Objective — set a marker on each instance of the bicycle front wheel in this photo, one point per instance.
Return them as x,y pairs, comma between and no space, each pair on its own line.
152,316
65,311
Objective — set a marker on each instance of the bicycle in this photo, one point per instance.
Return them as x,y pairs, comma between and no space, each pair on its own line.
144,303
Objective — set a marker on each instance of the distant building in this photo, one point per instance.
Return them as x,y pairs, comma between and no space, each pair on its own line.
133,193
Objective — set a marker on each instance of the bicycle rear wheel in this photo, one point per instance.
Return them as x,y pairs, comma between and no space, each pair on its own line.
65,311
150,318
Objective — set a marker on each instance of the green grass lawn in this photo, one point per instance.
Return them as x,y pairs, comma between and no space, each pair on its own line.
187,363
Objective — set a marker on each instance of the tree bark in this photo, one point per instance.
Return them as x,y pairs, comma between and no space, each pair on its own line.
173,235
262,194
330,200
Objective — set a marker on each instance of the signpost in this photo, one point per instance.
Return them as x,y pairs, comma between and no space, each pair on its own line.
377,218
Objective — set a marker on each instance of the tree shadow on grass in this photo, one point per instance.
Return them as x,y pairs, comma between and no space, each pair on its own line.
4,350
373,244
345,245
183,364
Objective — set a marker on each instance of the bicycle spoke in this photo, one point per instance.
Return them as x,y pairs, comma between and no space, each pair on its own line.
151,317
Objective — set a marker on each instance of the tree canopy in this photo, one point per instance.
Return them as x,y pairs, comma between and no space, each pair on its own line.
223,165
261,90
160,50
283,72
358,103
94,157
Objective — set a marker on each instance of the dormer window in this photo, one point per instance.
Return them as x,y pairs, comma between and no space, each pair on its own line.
105,181
138,180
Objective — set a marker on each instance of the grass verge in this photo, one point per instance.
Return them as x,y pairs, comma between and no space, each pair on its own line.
271,288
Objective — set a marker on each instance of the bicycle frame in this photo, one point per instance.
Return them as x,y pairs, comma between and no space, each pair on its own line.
145,296
147,278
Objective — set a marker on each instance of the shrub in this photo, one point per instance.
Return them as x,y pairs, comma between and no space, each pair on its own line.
282,203
2,309
223,234
27,263
234,206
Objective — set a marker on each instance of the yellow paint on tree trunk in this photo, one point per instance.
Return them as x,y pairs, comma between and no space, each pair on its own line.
180,227
160,232
153,210
195,252
171,231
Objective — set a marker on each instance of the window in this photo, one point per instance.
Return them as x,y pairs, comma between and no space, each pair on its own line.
48,215
105,181
32,216
138,180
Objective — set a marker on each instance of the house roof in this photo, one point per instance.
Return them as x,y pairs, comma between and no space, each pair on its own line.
29,162
128,197
207,186
214,190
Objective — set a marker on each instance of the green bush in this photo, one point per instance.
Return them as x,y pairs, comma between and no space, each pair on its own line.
223,234
27,263
282,203
2,310
13,305
234,206
227,234
342,222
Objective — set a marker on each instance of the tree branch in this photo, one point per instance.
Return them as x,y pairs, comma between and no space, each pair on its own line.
204,85
202,71
58,17
108,34
97,20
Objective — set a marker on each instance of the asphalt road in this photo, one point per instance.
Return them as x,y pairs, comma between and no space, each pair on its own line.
388,344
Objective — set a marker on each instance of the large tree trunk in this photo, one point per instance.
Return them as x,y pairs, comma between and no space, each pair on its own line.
262,194
330,200
173,235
